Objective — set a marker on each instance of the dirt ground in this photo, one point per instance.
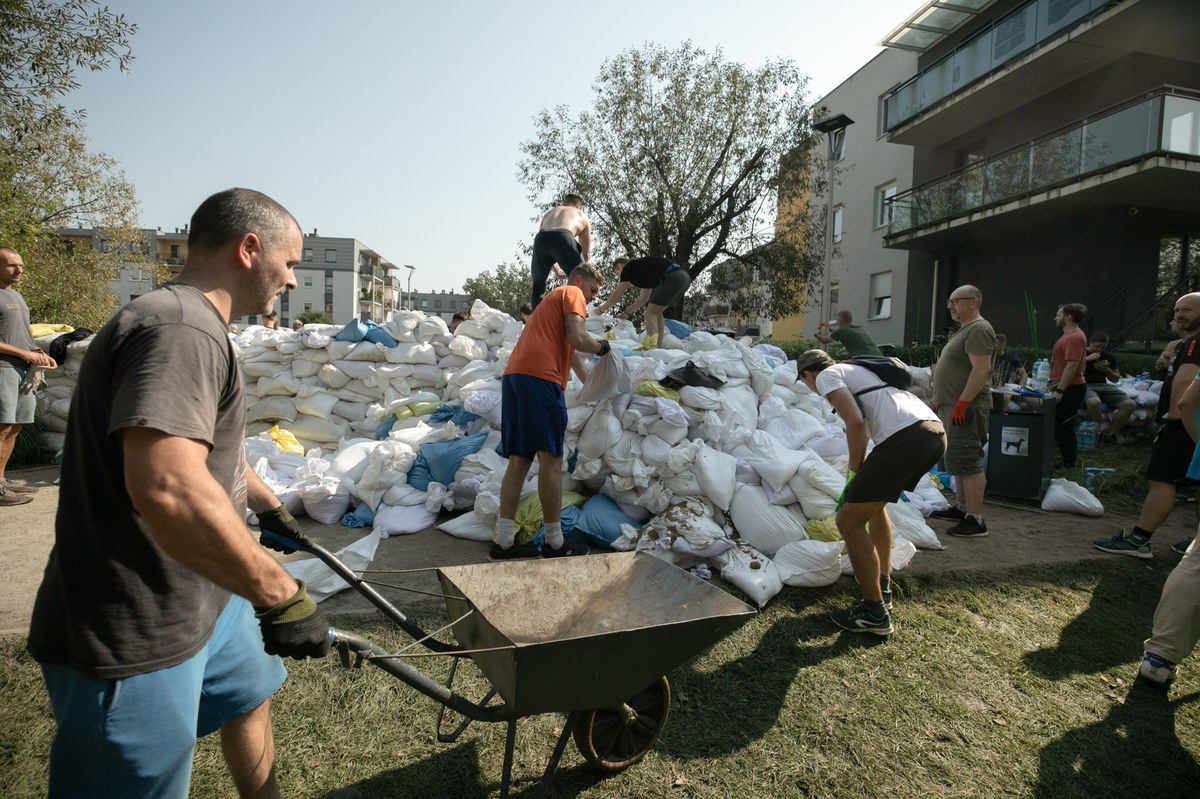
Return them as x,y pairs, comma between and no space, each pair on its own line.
1021,534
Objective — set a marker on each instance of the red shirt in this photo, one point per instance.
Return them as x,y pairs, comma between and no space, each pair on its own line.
1072,347
543,351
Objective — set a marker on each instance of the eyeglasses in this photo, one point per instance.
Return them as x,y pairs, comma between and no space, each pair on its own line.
953,300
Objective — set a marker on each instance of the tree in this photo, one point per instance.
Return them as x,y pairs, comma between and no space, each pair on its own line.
315,318
505,289
683,154
48,178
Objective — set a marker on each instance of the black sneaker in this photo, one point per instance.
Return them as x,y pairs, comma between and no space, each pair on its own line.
952,513
1180,548
515,552
887,600
860,620
970,527
568,549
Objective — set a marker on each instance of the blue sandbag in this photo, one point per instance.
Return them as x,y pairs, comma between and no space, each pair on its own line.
353,330
439,460
379,335
362,516
600,519
677,329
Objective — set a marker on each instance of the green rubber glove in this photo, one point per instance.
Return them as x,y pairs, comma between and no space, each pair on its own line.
283,529
850,475
295,628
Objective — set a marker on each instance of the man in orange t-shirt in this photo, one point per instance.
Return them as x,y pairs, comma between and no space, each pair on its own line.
1067,378
534,409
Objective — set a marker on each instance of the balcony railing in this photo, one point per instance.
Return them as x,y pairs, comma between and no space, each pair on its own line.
1011,37
1167,122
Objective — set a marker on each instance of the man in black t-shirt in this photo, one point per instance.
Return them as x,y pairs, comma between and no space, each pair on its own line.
662,281
155,592
1099,368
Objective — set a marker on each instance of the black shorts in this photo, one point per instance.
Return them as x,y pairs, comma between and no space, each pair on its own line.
899,463
1171,454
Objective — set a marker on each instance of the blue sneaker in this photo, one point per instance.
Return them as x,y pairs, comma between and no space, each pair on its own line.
1156,670
860,620
1123,544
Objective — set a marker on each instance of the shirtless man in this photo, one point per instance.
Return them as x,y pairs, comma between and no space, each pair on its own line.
555,244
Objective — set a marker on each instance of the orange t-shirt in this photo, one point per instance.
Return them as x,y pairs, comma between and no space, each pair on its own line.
543,351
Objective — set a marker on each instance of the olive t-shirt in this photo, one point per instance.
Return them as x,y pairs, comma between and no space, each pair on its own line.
856,340
954,366
14,327
112,603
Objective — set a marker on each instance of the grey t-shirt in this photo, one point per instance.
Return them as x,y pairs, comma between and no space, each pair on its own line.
14,327
112,603
953,369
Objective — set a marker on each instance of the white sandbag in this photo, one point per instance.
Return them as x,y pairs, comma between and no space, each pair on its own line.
393,520
751,571
764,526
769,458
608,377
740,405
356,369
468,526
350,460
271,409
331,376
258,369
903,551
285,383
420,352
321,581
469,348
325,431
701,398
1067,496
315,401
326,499
366,351
601,432
716,472
809,564
908,522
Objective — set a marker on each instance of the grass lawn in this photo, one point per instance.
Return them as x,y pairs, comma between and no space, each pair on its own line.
1017,683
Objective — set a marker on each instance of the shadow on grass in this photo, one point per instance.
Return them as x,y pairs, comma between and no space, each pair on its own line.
1109,632
1133,751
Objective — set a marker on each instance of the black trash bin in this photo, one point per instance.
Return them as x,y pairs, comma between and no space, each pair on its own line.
1021,452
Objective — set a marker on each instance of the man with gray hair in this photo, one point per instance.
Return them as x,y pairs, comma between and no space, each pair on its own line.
160,619
18,355
963,401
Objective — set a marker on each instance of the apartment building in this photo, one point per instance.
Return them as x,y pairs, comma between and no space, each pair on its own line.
439,303
1055,158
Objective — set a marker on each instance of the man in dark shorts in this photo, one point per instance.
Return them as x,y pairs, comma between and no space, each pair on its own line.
909,441
533,420
19,354
563,241
160,619
662,281
1173,448
1100,367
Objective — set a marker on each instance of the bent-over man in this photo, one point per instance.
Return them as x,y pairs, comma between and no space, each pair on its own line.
662,282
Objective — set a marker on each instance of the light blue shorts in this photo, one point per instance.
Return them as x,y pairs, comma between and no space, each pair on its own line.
15,407
133,738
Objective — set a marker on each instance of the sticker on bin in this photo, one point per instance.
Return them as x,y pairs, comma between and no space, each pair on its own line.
1014,441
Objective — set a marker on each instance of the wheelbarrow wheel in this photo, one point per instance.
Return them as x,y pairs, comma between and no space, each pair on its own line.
612,739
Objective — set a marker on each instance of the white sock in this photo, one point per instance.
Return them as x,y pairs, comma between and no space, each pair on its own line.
506,536
554,536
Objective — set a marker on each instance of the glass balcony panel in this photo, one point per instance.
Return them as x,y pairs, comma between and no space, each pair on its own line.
1056,159
902,104
1007,176
936,82
973,60
1181,126
1014,34
945,19
1054,15
1121,136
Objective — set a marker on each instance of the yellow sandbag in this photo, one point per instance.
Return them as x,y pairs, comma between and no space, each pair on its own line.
43,329
528,518
653,388
403,413
423,408
648,343
823,529
285,440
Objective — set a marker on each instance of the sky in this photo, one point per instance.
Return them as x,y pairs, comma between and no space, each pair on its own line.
399,123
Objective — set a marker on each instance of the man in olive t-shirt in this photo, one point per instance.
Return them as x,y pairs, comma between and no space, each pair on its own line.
854,338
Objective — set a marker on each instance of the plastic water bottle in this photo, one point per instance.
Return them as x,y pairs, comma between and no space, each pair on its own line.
1041,375
1089,477
1086,434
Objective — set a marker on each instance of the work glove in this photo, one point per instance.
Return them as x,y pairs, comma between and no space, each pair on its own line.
958,416
280,531
295,628
936,406
850,475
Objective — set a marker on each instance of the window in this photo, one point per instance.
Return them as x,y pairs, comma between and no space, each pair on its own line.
308,255
331,256
329,308
453,304
837,144
881,295
174,250
838,213
424,303
437,303
883,211
307,307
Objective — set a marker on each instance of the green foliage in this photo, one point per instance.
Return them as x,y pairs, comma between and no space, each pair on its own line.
505,288
682,154
48,178
315,318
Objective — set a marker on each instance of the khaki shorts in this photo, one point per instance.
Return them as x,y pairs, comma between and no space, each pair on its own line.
965,443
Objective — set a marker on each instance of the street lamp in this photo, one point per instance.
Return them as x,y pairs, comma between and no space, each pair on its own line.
410,269
835,128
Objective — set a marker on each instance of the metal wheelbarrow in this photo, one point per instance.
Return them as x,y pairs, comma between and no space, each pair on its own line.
589,636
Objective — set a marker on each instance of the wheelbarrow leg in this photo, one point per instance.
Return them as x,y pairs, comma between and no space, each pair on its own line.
510,742
559,748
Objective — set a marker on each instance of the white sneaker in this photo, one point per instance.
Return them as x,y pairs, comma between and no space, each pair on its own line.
1156,670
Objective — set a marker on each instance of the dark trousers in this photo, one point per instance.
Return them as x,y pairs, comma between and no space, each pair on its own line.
1065,414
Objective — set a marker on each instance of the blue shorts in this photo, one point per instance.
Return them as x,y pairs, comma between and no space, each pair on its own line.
134,737
15,407
533,417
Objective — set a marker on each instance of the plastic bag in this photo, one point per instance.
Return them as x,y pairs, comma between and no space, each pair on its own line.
1067,496
608,378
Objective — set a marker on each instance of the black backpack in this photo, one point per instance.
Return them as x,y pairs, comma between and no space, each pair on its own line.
892,371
